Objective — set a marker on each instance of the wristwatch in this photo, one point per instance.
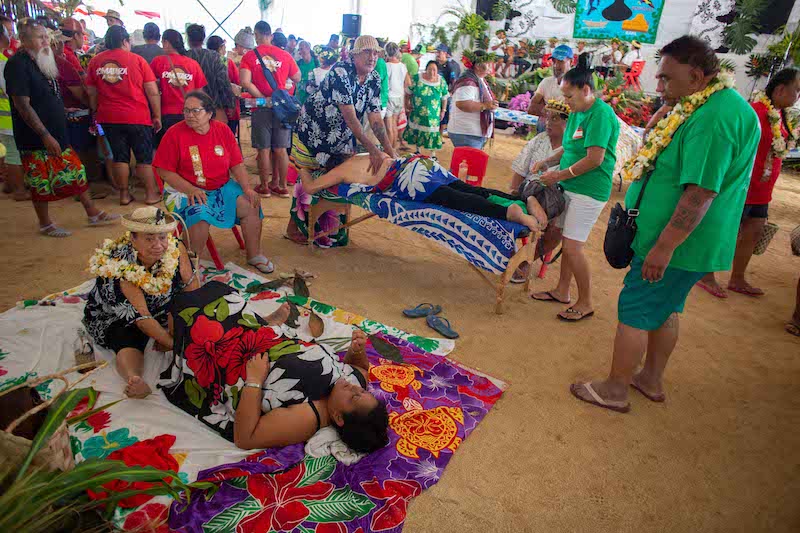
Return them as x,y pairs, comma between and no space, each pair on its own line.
253,385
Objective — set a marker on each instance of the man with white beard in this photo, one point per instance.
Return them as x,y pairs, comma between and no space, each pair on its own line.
40,130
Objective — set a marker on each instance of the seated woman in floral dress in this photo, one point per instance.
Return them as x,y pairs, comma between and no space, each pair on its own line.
196,159
250,380
137,277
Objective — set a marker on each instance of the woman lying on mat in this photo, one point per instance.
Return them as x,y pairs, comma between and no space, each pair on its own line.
137,277
249,381
421,179
196,158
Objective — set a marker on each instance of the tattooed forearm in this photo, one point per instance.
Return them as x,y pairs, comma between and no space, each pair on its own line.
691,209
23,105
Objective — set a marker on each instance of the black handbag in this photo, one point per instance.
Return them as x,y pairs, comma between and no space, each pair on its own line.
618,244
284,105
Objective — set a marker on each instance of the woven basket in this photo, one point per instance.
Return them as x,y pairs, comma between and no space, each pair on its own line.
57,453
767,234
794,239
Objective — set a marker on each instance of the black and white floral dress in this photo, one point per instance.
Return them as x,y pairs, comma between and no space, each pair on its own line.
110,318
216,333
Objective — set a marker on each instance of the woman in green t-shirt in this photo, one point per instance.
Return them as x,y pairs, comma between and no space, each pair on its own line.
587,159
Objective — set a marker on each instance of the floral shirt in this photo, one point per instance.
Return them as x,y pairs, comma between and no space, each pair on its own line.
535,150
321,126
108,307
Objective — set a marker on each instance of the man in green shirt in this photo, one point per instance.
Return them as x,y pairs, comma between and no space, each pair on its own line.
410,59
687,224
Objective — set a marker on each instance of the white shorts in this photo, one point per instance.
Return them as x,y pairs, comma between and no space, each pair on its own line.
395,106
579,216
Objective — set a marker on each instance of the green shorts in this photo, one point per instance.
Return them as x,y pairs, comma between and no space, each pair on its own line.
646,306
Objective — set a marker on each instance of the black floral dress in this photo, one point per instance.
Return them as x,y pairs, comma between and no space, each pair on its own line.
111,319
216,333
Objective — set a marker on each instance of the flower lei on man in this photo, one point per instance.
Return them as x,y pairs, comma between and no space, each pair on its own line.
660,136
780,146
106,264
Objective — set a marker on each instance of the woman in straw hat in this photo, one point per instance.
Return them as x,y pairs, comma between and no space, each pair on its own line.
137,277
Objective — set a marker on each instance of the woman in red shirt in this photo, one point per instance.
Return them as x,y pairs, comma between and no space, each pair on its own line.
782,92
196,158
176,76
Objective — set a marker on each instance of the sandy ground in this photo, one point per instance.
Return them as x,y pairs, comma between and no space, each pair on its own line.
723,454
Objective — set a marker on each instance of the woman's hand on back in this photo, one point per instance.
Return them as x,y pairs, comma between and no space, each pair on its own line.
258,368
196,196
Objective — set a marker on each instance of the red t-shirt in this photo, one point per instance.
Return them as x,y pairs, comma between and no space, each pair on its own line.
68,77
218,151
234,113
760,192
285,67
189,74
119,77
69,53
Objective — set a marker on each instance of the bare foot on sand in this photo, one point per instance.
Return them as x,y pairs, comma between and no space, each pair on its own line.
137,388
278,318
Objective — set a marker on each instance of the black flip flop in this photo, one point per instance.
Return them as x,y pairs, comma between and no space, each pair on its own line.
572,311
551,299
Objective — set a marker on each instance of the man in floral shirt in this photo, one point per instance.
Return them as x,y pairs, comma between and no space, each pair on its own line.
330,121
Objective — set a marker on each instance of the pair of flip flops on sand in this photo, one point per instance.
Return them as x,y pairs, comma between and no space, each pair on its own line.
440,324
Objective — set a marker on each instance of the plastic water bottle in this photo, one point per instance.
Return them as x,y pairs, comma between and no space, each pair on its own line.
463,168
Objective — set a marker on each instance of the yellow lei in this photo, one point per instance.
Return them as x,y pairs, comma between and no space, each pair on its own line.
780,146
660,136
103,264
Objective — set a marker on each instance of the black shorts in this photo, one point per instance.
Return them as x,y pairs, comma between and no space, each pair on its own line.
119,337
126,137
755,211
167,121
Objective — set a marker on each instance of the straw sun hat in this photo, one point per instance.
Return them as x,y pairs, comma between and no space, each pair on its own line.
149,219
366,42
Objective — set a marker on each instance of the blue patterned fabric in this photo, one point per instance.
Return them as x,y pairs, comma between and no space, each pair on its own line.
219,209
485,242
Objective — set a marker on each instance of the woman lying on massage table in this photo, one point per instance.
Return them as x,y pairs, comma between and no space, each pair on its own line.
421,179
222,375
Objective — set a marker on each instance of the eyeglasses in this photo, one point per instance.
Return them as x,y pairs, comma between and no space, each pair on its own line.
193,110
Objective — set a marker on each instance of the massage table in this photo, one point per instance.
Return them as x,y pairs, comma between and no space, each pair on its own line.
491,246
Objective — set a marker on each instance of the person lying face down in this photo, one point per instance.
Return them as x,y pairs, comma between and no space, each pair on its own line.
421,179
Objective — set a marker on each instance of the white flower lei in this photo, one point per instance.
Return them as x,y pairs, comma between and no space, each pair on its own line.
159,281
661,135
780,146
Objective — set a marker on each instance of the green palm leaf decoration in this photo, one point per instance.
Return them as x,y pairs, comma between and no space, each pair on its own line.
738,33
564,6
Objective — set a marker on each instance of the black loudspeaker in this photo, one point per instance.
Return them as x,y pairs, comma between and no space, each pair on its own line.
351,25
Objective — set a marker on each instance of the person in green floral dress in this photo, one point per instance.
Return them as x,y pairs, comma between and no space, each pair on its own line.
426,102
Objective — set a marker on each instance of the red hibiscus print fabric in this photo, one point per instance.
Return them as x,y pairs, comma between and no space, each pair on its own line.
282,500
252,342
152,518
99,421
151,452
210,348
397,494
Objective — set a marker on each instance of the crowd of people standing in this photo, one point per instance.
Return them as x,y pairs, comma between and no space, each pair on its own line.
169,111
